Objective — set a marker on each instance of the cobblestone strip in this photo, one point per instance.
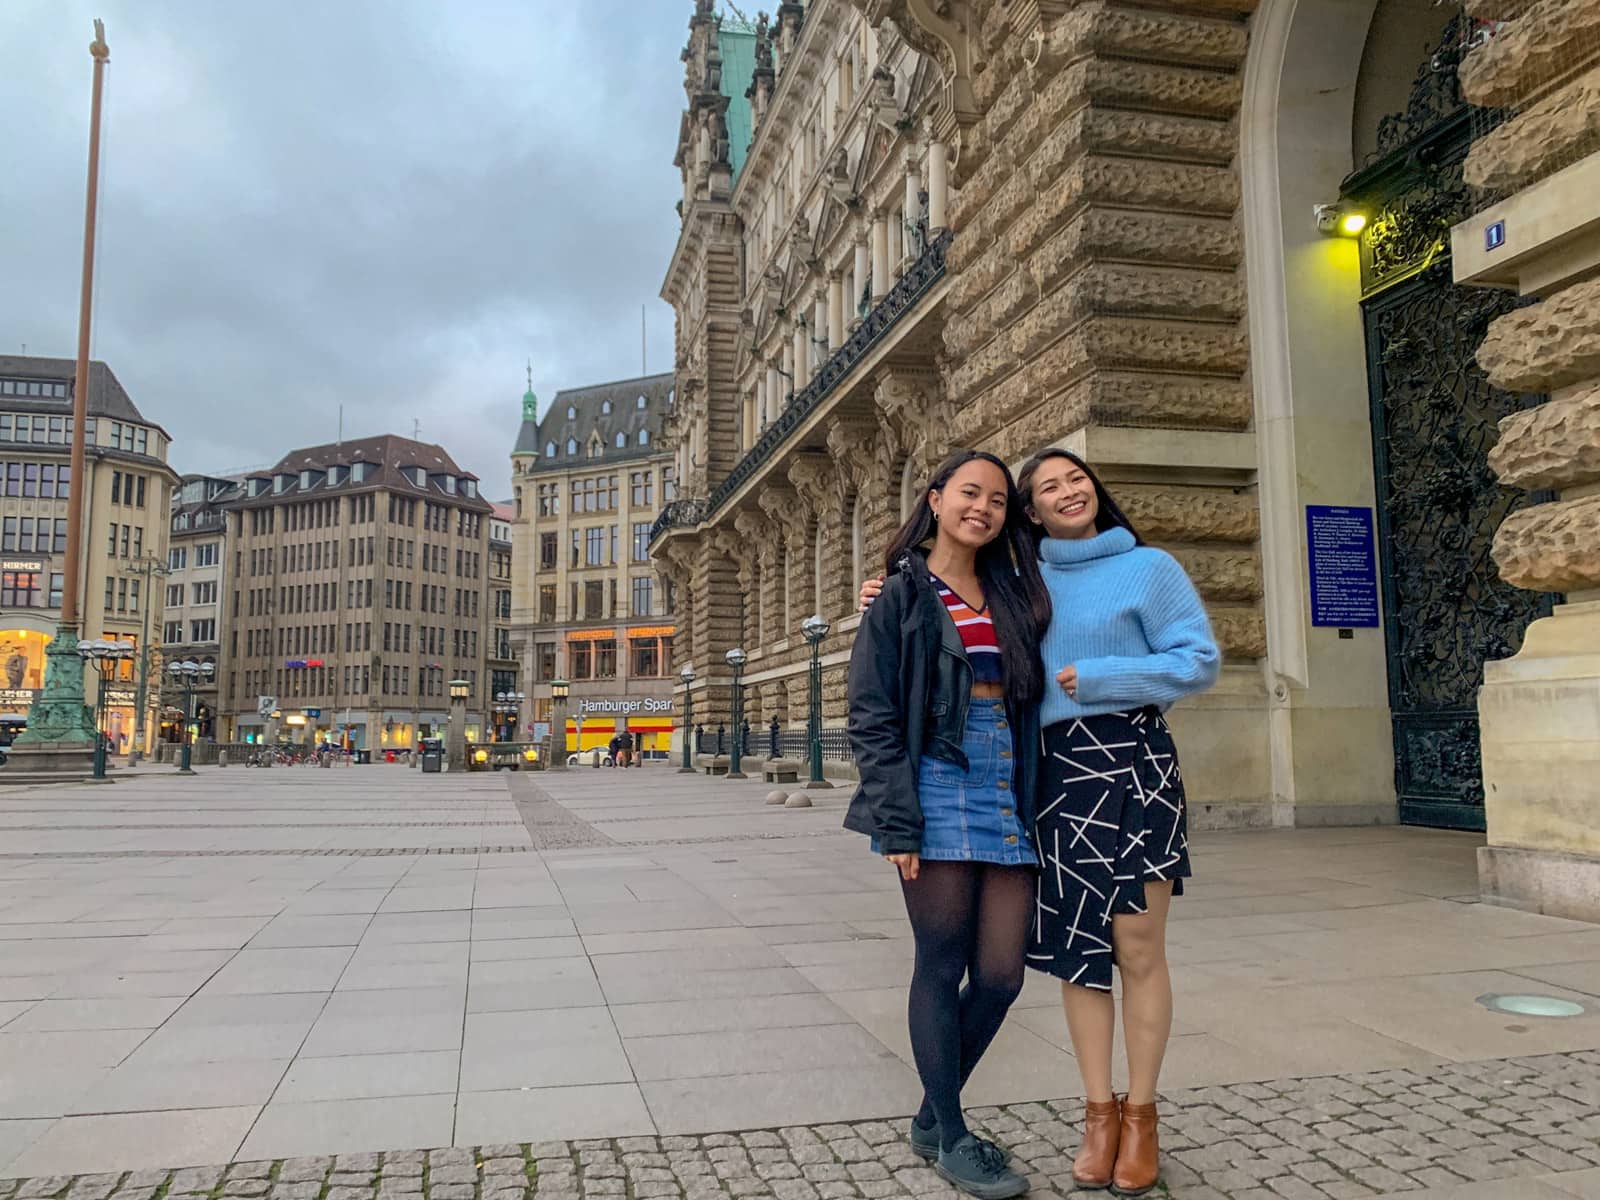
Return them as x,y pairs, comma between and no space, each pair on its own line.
1329,1138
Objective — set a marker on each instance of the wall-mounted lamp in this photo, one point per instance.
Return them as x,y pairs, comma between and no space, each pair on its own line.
1339,220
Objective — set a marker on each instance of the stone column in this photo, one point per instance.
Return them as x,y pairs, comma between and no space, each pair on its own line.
912,205
774,394
880,257
863,272
938,187
789,369
802,360
835,310
1540,710
821,324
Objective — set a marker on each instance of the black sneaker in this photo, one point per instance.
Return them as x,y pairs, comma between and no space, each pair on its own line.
979,1169
925,1143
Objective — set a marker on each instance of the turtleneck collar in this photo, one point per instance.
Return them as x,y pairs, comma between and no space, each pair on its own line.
1066,551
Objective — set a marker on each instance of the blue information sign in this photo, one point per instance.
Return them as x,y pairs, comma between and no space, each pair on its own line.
1344,569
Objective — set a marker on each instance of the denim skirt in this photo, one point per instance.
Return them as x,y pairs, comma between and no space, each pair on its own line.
971,815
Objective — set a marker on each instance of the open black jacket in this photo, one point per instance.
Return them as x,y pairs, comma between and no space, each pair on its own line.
910,687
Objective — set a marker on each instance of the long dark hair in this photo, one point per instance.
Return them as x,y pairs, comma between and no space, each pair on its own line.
1008,568
1109,514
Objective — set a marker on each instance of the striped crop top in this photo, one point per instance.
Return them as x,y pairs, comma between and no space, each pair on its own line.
976,628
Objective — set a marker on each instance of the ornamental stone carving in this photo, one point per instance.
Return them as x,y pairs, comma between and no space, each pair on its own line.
851,442
1551,547
1556,445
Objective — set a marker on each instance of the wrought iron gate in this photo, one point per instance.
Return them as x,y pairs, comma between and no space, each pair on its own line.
1434,418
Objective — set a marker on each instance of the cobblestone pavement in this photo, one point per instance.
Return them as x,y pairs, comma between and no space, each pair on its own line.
1503,1128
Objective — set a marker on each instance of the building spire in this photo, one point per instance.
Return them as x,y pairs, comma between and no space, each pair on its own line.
530,402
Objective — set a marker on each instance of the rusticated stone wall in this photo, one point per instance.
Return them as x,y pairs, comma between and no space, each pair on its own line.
1096,266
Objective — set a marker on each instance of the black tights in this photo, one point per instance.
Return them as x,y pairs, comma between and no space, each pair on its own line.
969,920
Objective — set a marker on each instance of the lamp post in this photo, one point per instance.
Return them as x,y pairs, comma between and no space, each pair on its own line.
558,724
687,676
457,748
184,674
508,707
814,628
105,656
736,659
149,569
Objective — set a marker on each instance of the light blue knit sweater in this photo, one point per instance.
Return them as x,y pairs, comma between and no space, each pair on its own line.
1127,617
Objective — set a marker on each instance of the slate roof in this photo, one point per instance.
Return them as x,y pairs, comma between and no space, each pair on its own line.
107,397
391,454
590,419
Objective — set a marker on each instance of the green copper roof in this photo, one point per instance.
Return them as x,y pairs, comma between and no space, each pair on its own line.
530,406
738,46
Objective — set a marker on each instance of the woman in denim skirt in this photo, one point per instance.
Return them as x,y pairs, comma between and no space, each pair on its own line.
945,684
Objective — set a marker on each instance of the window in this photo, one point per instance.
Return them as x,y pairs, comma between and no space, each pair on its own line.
644,437
640,489
669,484
643,595
572,447
644,657
20,589
206,555
642,402
594,599
547,604
174,595
641,541
549,449
178,558
594,546
203,631
605,408
204,593
622,440
582,656
172,632
605,659
544,658
572,413
547,551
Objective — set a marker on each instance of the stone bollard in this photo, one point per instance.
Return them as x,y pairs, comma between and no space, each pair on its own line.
222,758
798,800
777,797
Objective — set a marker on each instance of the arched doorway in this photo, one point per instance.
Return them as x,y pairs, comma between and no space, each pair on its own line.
1434,418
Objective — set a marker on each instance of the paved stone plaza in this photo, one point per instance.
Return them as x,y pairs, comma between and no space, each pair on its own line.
269,968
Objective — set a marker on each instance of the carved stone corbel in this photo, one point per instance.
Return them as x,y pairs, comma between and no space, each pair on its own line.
850,442
946,31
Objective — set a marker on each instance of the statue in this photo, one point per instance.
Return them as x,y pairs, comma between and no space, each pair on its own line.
16,668
763,43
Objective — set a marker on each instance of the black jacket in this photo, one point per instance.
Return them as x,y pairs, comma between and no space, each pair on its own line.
910,686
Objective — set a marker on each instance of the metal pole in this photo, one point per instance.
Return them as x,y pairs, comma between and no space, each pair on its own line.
738,718
814,720
688,732
99,724
141,693
188,705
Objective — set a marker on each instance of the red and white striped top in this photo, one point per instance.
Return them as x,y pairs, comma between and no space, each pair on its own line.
976,628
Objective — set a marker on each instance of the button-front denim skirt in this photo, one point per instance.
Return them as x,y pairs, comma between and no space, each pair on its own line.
971,815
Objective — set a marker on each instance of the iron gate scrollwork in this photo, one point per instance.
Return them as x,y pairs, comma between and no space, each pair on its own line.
1434,418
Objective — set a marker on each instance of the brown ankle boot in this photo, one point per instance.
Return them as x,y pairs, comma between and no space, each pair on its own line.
1102,1125
1138,1154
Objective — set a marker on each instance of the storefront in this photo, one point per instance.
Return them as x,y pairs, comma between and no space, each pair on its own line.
648,718
21,668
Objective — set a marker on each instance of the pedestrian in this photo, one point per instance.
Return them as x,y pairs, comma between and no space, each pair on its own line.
1128,637
945,684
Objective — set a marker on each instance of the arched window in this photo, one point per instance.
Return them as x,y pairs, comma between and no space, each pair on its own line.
572,413
644,437
572,446
622,441
642,403
605,408
549,449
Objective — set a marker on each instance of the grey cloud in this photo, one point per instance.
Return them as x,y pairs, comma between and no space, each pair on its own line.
388,206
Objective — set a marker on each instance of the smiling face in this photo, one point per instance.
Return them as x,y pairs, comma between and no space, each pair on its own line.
1064,499
971,509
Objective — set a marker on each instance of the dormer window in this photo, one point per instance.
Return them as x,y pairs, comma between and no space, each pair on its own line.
469,488
605,408
622,440
280,484
572,447
419,476
572,413
643,404
450,485
305,480
644,437
335,476
549,449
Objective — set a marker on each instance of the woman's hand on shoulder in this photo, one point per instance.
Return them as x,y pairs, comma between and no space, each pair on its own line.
910,865
870,591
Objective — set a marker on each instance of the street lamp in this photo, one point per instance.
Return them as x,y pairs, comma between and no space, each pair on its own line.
458,723
184,674
508,707
814,628
150,569
736,659
105,656
558,724
687,675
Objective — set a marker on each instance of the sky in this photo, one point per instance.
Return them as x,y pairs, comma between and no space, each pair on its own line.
304,204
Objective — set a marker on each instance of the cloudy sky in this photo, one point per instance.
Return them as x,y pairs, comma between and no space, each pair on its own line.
386,204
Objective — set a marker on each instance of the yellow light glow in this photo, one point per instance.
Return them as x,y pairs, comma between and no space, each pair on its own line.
1351,224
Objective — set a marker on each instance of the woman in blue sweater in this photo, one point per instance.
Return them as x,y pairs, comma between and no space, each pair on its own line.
1128,637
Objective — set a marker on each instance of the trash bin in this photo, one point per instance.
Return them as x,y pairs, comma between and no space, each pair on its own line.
433,754
363,758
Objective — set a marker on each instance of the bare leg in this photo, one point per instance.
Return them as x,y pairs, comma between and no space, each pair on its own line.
1091,1020
1141,950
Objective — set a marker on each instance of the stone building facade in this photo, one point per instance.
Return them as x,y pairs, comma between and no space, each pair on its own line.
194,615
128,489
356,594
588,604
1131,249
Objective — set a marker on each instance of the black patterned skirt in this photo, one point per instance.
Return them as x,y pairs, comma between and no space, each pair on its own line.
1111,818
